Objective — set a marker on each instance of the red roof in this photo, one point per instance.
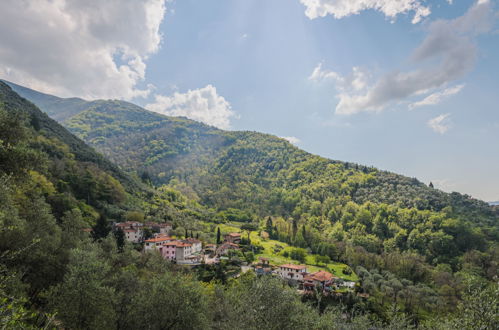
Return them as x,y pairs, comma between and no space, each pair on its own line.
177,244
320,276
193,240
292,266
158,239
234,234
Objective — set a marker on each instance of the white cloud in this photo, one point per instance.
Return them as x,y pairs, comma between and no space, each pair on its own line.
440,124
291,139
343,8
203,104
437,97
357,80
445,55
86,48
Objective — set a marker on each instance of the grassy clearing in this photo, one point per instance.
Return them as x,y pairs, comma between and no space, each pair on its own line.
269,246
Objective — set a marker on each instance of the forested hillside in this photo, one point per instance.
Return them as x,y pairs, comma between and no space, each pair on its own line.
416,249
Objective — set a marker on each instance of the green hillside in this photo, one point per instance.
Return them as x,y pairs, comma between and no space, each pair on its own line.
264,175
416,251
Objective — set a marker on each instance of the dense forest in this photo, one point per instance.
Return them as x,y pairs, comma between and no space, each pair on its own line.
425,258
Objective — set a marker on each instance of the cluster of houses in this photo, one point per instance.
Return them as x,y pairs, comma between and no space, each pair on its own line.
182,251
189,251
299,275
185,251
134,230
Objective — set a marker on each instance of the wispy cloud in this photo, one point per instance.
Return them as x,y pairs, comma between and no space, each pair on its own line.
343,8
437,97
203,104
445,55
440,124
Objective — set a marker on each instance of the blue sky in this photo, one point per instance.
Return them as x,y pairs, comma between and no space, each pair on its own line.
407,86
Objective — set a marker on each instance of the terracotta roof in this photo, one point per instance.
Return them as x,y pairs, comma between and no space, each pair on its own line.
130,230
177,244
320,276
172,243
264,259
193,240
234,234
292,266
158,239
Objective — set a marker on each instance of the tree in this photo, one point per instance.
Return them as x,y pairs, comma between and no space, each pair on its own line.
170,301
321,259
269,227
101,228
119,235
218,236
431,185
84,300
248,227
298,254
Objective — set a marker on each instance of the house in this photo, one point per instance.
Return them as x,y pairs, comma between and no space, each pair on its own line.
133,235
225,247
292,272
133,230
156,242
129,225
210,248
321,279
161,228
169,250
234,238
263,267
182,252
196,244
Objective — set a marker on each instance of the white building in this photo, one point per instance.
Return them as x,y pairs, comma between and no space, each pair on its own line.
197,246
133,235
133,230
292,272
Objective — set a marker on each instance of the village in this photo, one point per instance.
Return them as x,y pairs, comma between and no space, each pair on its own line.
193,252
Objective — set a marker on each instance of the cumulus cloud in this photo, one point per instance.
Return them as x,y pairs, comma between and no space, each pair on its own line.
203,104
343,8
437,97
87,48
445,55
291,139
440,124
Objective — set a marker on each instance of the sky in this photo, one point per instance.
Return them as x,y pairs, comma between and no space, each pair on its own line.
409,86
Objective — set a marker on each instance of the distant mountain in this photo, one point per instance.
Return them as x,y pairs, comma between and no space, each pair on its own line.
494,203
58,108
